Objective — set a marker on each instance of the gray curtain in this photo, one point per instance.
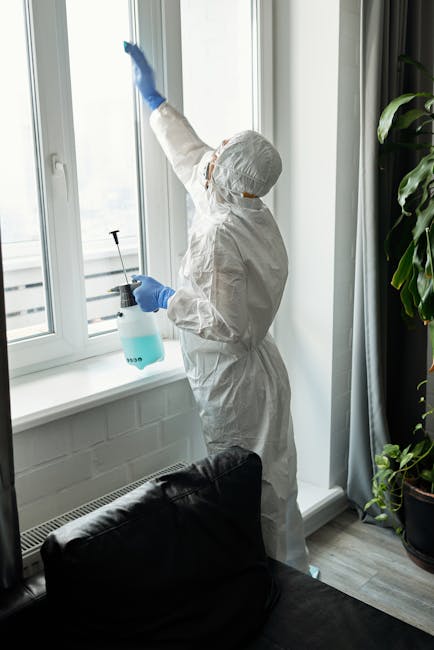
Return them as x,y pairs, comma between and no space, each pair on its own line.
389,359
10,554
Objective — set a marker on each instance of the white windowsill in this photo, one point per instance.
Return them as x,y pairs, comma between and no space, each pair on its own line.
44,396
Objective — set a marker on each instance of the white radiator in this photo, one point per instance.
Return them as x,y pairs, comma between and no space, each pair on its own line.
33,538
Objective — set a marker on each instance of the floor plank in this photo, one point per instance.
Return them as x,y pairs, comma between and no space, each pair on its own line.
369,563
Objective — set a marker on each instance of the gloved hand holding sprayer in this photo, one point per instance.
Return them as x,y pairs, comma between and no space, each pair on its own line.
230,286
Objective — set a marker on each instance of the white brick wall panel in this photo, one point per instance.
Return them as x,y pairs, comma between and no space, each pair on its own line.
179,397
52,478
121,456
122,416
151,405
41,444
159,459
23,450
179,426
88,428
126,447
54,505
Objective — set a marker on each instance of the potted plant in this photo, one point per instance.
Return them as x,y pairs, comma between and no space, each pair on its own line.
404,484
414,274
404,480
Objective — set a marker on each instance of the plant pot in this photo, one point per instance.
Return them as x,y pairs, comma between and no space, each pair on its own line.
419,526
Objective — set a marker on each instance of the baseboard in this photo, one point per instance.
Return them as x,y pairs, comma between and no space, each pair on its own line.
320,505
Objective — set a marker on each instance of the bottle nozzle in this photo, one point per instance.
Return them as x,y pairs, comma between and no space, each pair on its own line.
115,237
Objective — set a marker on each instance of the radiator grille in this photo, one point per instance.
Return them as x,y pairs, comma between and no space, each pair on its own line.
33,538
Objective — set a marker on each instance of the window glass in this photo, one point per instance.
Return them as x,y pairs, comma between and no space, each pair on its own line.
27,312
217,68
103,109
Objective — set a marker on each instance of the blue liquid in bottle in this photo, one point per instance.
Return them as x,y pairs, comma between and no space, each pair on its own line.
140,351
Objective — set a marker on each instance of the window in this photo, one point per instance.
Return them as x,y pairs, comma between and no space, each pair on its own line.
71,172
217,85
24,260
78,159
103,112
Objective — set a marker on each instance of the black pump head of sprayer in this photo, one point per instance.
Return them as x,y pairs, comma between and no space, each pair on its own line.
115,236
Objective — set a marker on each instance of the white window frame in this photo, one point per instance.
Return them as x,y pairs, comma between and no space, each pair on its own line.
262,74
65,273
158,29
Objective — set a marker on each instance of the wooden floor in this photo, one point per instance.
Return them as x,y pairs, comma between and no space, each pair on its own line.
370,563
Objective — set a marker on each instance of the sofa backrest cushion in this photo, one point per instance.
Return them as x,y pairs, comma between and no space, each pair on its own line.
177,563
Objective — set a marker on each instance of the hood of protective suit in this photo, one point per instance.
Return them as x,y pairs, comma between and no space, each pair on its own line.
247,163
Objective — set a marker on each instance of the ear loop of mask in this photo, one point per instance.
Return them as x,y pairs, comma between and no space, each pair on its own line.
207,175
215,155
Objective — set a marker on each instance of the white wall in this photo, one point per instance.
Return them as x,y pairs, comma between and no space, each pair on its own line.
75,459
314,199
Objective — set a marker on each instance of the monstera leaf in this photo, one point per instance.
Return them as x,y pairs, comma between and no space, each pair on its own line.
414,275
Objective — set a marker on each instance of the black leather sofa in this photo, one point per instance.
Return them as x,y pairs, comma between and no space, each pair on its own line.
179,564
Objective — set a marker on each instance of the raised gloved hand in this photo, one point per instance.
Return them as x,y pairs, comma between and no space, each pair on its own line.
144,76
151,295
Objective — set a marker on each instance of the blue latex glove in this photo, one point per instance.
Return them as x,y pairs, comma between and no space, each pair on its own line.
151,295
144,76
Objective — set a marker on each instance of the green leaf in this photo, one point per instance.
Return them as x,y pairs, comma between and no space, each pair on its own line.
406,119
382,462
412,286
408,59
424,220
407,298
386,117
412,181
424,123
391,450
370,503
405,459
403,271
426,291
419,448
381,517
428,475
431,337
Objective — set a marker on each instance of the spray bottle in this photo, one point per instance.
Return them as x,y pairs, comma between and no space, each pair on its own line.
140,338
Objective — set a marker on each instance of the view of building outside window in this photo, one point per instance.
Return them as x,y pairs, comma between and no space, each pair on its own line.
217,69
23,259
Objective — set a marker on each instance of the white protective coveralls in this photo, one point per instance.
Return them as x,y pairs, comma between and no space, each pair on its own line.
231,283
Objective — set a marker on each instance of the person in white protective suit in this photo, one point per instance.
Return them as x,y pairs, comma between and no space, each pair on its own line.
231,282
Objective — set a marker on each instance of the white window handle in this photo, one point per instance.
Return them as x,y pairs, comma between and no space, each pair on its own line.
58,168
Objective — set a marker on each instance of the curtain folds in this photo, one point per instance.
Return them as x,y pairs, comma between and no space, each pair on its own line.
389,359
10,552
